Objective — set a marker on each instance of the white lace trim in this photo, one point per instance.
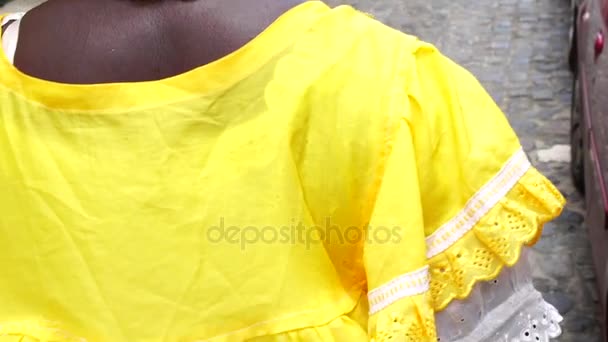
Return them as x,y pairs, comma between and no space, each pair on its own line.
524,317
479,205
409,284
507,309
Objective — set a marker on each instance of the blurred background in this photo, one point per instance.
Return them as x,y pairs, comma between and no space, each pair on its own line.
519,50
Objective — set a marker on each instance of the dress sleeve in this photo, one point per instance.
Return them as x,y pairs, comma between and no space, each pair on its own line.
463,192
396,265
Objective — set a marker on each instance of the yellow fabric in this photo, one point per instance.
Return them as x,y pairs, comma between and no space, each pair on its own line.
495,241
243,199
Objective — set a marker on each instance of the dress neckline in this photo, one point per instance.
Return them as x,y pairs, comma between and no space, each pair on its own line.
209,78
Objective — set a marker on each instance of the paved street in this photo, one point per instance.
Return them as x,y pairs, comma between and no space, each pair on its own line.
517,48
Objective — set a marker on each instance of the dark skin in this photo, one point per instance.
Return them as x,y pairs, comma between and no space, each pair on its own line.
103,41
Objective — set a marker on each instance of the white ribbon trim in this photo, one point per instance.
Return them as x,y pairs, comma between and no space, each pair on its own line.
479,205
406,285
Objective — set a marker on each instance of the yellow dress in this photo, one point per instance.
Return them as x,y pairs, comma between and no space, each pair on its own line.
332,180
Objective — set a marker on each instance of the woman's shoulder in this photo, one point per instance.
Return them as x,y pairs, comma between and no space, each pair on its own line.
128,41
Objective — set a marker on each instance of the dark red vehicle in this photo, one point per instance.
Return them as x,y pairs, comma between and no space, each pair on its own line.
589,130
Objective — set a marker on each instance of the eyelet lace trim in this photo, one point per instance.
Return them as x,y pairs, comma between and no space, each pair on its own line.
507,309
408,320
496,240
524,317
488,234
407,285
479,205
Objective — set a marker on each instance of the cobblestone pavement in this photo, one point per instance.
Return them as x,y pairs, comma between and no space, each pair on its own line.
518,49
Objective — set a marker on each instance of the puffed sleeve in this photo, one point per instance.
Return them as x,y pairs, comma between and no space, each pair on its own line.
460,193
